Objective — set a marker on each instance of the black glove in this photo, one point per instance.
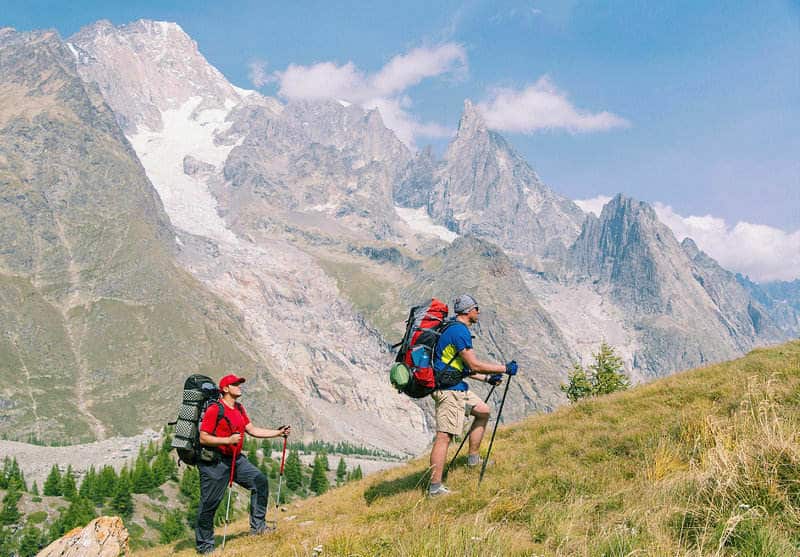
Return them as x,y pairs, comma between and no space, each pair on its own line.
511,368
495,379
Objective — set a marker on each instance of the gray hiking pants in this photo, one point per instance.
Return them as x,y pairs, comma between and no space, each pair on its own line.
213,484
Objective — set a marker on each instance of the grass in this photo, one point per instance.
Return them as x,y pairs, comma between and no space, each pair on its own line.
705,462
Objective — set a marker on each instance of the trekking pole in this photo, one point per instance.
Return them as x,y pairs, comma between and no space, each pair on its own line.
497,421
466,436
280,478
230,489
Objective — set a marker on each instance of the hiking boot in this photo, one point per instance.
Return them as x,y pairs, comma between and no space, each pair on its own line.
441,490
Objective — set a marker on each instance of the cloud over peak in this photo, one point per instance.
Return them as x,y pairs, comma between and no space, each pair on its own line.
542,106
384,89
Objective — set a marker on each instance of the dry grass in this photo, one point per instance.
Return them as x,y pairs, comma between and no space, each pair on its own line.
702,463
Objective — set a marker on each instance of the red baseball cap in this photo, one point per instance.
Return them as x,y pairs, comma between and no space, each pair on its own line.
230,380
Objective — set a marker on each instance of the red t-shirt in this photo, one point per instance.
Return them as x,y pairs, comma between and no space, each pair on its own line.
238,421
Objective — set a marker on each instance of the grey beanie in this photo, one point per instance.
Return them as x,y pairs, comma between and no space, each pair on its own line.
464,303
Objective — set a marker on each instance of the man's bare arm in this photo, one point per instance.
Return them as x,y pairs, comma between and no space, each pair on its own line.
478,366
264,433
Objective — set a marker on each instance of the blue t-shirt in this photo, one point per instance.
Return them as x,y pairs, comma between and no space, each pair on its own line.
455,339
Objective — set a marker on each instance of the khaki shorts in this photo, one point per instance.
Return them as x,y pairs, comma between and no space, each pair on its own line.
451,408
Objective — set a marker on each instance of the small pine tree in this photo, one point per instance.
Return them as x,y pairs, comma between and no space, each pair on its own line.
88,485
341,472
190,488
605,376
52,485
172,527
122,503
293,470
164,468
10,512
142,479
31,541
319,481
106,481
578,386
252,457
68,488
357,473
607,372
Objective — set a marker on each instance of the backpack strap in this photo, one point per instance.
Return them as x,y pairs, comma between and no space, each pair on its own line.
221,416
447,325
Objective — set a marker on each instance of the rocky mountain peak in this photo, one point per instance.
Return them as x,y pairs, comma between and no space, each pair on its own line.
485,188
148,67
472,122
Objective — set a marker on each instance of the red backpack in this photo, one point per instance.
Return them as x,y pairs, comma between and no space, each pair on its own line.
425,324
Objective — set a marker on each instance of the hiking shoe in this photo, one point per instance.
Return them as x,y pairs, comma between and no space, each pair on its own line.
441,490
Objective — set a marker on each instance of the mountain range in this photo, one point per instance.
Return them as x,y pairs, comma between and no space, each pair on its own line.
158,221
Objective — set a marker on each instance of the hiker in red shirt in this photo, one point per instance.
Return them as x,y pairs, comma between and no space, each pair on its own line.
225,434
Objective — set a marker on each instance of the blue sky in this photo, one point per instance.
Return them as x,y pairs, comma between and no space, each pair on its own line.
694,106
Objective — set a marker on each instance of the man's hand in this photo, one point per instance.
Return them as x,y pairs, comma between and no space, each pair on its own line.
234,439
511,368
495,379
284,430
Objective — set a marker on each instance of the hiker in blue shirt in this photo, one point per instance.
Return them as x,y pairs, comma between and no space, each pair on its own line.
453,361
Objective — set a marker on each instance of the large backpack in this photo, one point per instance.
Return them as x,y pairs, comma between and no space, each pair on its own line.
199,392
413,373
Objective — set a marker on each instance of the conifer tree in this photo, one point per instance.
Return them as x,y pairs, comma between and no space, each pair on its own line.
30,542
190,488
122,503
142,479
79,513
172,527
52,485
68,488
607,371
341,471
356,473
106,481
7,545
605,376
324,457
35,489
10,512
88,484
319,481
164,468
293,470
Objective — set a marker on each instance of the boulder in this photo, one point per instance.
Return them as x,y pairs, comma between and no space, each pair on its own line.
102,537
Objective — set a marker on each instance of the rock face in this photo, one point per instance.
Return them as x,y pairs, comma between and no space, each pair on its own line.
485,189
93,307
781,300
238,173
102,537
668,291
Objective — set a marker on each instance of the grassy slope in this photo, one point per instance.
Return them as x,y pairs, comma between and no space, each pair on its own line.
701,463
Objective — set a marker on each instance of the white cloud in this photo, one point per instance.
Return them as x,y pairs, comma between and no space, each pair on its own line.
384,89
594,205
257,72
759,251
541,106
